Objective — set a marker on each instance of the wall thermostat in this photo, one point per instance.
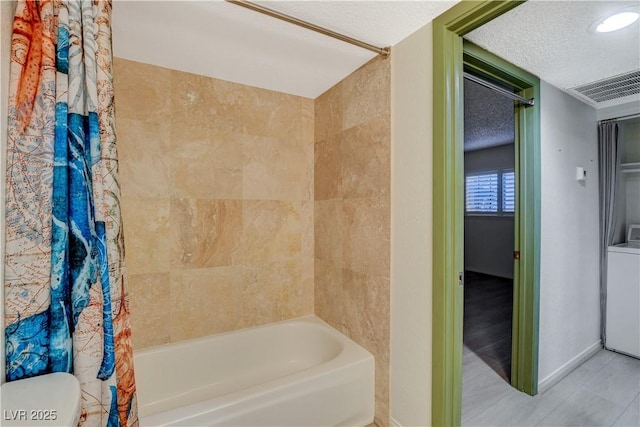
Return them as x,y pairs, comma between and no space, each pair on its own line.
581,174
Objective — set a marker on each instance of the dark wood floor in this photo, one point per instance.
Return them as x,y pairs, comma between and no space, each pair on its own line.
488,310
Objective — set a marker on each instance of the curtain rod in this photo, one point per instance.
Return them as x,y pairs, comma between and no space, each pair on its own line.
620,118
528,102
627,117
382,51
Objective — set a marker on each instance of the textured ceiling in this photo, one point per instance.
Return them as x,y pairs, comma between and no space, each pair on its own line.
383,23
221,40
551,39
488,118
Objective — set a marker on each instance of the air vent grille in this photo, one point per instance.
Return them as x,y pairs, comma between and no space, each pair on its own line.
612,88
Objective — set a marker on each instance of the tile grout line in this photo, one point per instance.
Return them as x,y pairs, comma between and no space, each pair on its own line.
506,396
625,409
562,401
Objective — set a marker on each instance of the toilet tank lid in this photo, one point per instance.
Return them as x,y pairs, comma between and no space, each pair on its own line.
39,397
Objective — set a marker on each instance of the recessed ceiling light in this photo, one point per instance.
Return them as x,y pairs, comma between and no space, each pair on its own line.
616,21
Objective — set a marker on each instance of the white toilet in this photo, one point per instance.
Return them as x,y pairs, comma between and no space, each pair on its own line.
46,400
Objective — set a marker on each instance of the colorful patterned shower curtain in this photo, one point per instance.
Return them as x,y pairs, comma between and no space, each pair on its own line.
65,282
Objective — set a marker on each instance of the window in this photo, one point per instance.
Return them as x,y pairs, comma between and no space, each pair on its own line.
508,192
482,193
490,193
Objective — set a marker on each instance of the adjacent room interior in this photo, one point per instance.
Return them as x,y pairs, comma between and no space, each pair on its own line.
489,169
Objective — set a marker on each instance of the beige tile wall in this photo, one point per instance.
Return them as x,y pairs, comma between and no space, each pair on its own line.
217,201
352,214
222,229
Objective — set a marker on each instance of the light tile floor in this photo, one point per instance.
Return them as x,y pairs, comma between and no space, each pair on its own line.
604,391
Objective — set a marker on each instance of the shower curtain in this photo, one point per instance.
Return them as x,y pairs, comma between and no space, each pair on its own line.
66,303
609,156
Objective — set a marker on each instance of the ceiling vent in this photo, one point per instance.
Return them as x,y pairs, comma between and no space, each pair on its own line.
611,91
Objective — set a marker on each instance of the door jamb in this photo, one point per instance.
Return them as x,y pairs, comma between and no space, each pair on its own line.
450,55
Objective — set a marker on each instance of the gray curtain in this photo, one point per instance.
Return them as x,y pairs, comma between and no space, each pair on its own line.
609,164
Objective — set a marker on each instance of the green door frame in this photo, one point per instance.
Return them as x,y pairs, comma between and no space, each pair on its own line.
450,56
527,167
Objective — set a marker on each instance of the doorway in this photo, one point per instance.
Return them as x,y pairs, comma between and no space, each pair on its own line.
451,56
489,177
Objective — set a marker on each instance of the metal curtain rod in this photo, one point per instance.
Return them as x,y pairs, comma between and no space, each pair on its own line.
627,117
527,101
382,51
620,118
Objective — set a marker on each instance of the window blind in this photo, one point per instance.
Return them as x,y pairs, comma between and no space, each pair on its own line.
482,193
508,192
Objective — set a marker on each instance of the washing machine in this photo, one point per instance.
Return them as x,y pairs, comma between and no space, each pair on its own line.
623,295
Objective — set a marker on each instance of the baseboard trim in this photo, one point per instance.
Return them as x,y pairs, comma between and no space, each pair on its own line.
568,367
394,423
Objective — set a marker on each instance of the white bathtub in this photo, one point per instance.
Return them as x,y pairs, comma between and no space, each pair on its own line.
298,372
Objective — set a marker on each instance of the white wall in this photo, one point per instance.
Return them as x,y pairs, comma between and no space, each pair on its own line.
630,182
489,240
632,199
411,236
630,140
628,188
569,265
6,18
615,111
